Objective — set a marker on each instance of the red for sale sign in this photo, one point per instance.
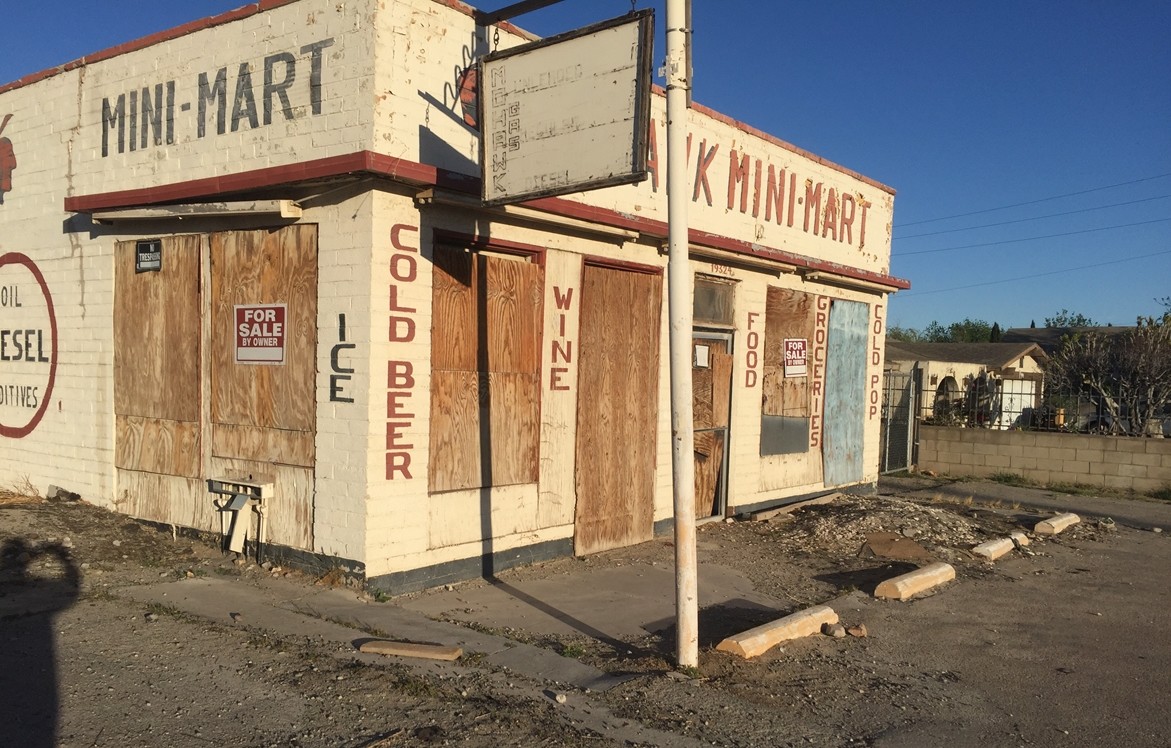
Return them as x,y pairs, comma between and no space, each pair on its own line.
796,357
260,333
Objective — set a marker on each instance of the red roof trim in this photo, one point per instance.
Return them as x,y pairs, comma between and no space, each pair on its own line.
423,175
141,43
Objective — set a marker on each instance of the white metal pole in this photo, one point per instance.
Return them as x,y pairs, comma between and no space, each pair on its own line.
679,295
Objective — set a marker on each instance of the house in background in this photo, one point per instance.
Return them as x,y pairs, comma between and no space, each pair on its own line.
1049,338
1084,412
990,385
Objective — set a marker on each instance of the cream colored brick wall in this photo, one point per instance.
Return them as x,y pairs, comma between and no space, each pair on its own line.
398,516
58,134
71,446
344,290
286,43
1109,462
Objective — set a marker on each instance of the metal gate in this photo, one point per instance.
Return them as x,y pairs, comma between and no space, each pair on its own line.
898,425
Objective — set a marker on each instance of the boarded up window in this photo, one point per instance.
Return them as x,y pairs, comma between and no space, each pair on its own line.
786,401
156,360
265,413
485,370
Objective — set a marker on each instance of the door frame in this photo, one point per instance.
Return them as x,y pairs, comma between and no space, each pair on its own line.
727,336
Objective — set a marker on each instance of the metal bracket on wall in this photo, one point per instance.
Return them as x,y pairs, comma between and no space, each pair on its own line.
241,494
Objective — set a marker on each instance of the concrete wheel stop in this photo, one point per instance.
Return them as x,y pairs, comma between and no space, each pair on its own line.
906,586
758,640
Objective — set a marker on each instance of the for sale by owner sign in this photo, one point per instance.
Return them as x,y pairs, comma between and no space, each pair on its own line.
260,333
796,359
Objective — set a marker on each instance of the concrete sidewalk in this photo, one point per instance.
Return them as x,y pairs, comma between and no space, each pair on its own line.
340,616
610,604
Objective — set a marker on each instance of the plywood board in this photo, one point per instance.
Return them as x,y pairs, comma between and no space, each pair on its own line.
486,312
154,369
157,384
711,384
721,389
788,314
265,267
512,295
166,499
485,388
156,333
479,420
709,459
156,445
264,416
454,331
263,445
617,414
411,649
701,395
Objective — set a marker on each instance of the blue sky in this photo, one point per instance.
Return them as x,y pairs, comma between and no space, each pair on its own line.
1029,142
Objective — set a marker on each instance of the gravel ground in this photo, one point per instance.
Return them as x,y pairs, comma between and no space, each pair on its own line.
84,666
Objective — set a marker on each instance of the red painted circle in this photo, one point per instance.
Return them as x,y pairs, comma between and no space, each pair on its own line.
18,432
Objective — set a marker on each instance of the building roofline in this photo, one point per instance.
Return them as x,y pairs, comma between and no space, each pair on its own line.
462,7
426,176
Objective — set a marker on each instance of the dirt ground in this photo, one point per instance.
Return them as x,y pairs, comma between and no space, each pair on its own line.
85,666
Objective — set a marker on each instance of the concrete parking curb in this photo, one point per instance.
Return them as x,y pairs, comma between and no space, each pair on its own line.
991,550
994,549
1056,524
763,638
912,583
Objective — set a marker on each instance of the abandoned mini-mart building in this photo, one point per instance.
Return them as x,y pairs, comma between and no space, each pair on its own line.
253,249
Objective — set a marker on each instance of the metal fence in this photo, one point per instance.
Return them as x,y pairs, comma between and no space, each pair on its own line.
897,439
1028,404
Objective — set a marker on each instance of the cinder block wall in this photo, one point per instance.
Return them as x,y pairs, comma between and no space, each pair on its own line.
1111,462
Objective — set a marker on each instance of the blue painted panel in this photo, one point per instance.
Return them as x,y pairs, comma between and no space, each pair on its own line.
845,392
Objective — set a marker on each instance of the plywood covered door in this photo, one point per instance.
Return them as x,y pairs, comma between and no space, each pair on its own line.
263,415
617,408
845,392
157,382
485,371
711,384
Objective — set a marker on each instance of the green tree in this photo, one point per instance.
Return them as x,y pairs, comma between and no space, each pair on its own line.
968,331
904,334
994,336
1066,318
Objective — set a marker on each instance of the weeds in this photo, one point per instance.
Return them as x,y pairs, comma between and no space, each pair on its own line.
1013,479
572,651
162,609
20,492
